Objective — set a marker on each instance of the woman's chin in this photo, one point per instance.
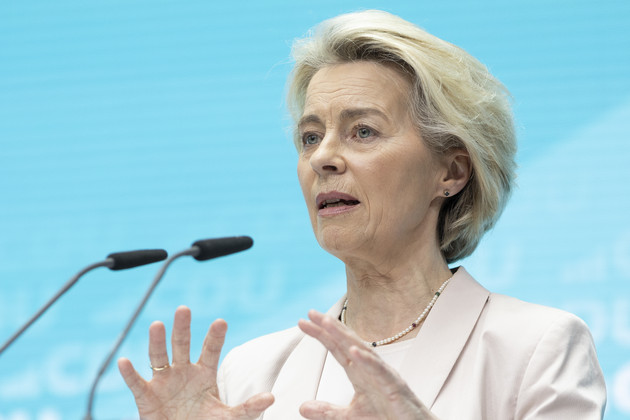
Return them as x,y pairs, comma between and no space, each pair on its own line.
339,242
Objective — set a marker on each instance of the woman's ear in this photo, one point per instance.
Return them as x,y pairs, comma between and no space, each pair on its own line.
458,172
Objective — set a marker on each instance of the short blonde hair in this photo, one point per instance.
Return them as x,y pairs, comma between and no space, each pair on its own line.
455,103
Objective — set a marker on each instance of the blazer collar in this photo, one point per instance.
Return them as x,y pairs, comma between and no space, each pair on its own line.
443,335
425,368
299,378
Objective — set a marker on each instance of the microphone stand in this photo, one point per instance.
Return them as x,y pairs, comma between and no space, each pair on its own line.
201,250
109,262
193,251
114,261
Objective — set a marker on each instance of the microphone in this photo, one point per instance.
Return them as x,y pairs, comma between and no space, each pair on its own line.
114,261
214,248
131,259
201,250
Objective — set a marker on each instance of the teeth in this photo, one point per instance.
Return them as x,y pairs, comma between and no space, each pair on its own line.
330,203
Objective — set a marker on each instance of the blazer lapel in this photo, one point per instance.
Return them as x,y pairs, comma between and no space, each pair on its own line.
443,336
425,368
298,380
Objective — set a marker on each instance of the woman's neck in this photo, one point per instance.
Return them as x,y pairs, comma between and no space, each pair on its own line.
383,300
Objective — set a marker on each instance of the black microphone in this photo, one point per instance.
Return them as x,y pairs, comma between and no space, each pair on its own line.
131,259
201,250
213,248
115,261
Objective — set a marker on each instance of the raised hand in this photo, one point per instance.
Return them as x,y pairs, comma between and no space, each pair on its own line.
380,393
181,389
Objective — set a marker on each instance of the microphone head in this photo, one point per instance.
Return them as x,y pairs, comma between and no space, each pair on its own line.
213,248
130,259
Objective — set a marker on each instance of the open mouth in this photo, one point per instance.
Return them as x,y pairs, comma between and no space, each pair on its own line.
337,202
335,199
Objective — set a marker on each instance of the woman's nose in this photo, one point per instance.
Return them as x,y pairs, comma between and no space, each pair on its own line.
328,158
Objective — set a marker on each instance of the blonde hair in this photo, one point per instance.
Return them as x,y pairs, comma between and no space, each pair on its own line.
455,103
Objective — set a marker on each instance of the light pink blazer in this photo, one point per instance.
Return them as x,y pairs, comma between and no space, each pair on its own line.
479,355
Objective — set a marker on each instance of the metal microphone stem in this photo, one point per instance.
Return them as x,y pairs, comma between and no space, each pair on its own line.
109,262
193,251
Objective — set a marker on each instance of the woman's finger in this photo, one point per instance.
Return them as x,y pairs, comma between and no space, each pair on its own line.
375,371
333,335
320,410
212,345
314,331
339,332
253,407
180,340
157,345
134,381
363,367
323,337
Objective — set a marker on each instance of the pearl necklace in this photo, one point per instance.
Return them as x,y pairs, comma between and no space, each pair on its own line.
407,330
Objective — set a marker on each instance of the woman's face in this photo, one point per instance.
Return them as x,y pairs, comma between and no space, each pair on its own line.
370,183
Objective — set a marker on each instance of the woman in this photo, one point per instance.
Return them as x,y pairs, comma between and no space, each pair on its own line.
406,158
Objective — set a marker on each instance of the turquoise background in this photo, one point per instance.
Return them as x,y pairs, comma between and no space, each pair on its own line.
142,124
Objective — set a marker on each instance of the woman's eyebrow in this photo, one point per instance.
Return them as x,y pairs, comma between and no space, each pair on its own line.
346,114
351,113
308,119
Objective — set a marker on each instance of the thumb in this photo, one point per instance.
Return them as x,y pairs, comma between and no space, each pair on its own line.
320,410
253,407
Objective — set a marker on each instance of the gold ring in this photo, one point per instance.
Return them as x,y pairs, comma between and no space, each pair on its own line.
157,369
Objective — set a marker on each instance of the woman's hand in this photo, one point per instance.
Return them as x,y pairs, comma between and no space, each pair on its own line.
380,393
183,390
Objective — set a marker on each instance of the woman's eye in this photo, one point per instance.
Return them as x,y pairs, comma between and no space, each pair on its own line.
310,138
364,132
